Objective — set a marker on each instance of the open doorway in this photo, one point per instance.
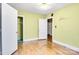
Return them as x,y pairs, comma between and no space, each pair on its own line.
20,29
49,29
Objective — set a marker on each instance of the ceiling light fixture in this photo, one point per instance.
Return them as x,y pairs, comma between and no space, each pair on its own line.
44,6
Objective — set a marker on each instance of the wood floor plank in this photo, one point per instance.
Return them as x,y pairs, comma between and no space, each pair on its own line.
43,47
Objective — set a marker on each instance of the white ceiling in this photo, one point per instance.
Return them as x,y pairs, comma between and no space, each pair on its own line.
34,7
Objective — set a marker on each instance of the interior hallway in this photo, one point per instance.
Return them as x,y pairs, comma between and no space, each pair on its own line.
43,47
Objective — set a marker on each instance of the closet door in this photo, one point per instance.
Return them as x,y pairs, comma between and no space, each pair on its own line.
9,29
42,29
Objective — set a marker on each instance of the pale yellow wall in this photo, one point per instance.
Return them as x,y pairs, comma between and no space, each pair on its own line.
67,21
31,22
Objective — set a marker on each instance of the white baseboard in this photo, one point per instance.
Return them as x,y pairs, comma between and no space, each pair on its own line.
42,38
66,45
30,39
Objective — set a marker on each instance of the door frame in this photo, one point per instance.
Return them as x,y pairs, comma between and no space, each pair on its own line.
23,24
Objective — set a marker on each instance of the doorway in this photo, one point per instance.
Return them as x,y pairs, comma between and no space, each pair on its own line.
20,29
49,30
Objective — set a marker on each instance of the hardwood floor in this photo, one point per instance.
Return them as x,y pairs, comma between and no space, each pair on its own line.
49,38
43,47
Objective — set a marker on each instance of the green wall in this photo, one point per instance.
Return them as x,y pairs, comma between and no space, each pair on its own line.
31,23
66,21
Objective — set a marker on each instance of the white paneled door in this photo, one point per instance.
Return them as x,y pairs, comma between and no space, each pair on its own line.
9,29
42,29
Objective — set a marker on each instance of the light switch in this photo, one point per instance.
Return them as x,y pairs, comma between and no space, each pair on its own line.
55,26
